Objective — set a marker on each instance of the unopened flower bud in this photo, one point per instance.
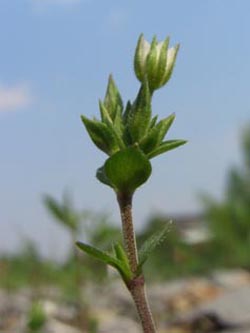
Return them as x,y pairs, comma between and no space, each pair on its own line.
154,61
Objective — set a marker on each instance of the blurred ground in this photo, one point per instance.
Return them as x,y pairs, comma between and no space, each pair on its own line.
199,278
218,303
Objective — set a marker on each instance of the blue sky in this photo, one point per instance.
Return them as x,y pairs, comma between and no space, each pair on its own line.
56,56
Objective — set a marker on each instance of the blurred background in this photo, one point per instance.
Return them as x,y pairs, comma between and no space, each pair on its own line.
56,56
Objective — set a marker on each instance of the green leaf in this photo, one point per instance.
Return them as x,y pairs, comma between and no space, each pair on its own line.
166,146
153,121
101,134
140,115
105,116
36,317
156,135
127,170
112,98
118,122
127,112
54,208
114,127
126,134
164,125
63,213
101,176
151,243
99,254
121,255
106,258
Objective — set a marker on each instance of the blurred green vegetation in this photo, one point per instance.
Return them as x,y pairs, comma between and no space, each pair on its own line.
27,267
36,318
177,258
228,222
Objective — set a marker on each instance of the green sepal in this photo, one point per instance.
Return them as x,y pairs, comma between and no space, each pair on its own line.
112,98
162,61
138,60
151,64
127,170
140,115
168,73
156,135
166,146
150,244
107,259
102,135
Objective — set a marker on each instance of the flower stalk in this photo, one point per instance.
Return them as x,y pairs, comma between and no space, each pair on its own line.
136,285
125,204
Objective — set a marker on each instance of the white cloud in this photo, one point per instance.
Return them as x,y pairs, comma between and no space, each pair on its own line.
13,98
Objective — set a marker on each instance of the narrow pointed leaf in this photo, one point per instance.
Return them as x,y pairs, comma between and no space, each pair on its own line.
151,141
122,256
118,128
164,126
153,121
105,258
126,134
140,114
102,136
63,213
127,170
105,116
156,135
54,207
112,98
151,243
72,218
98,254
114,126
127,112
118,122
166,146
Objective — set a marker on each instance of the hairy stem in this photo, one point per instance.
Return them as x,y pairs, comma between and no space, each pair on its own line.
137,284
125,203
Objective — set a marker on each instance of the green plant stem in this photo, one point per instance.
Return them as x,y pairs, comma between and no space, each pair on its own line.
137,284
125,203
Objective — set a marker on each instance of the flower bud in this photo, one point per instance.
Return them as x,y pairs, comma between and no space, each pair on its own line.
155,61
